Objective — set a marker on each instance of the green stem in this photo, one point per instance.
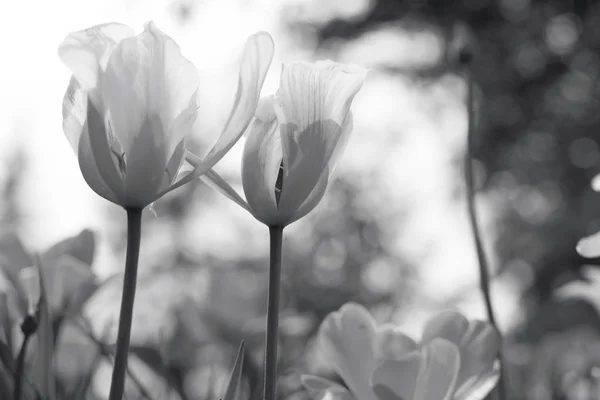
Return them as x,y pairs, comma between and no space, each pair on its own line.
270,383
134,235
484,271
20,367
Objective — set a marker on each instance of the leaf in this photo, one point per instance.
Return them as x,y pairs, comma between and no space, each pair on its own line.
80,247
13,255
43,370
236,375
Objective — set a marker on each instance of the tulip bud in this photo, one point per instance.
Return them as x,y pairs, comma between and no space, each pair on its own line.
130,103
296,139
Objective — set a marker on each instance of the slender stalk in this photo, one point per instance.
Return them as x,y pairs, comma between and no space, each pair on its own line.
484,271
270,383
20,367
134,235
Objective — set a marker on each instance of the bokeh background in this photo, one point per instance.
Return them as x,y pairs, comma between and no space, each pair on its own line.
392,233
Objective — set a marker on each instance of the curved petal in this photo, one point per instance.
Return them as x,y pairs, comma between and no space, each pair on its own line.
146,164
589,246
315,103
449,325
318,91
96,158
393,344
172,82
260,164
123,90
324,389
74,111
89,169
256,60
479,387
86,52
397,378
346,337
317,193
479,348
440,364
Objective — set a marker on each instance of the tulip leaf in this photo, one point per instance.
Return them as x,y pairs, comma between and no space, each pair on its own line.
80,247
236,375
13,255
43,370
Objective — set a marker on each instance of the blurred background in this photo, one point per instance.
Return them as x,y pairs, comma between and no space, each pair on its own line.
392,232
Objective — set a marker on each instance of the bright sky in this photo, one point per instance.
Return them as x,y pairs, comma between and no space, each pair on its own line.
430,122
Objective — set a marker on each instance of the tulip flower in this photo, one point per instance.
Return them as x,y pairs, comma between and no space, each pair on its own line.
131,103
129,106
295,140
455,359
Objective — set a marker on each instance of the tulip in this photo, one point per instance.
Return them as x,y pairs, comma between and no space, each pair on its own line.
295,140
131,102
129,106
455,359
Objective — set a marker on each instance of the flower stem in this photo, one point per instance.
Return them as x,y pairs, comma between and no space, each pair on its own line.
484,272
20,368
134,235
270,383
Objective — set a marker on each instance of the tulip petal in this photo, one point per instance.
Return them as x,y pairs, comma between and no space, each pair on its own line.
589,246
123,90
104,146
318,92
397,377
346,337
256,60
260,164
86,52
393,344
440,365
323,389
172,85
146,164
479,387
318,191
449,325
74,111
315,103
306,156
479,348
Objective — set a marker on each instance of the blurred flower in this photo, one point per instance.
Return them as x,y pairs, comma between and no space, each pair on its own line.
132,101
295,141
454,360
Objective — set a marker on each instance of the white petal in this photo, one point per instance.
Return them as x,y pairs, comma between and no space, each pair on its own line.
393,344
397,378
86,52
589,246
123,90
319,91
255,64
74,111
146,164
172,85
346,338
260,164
449,325
90,171
440,366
